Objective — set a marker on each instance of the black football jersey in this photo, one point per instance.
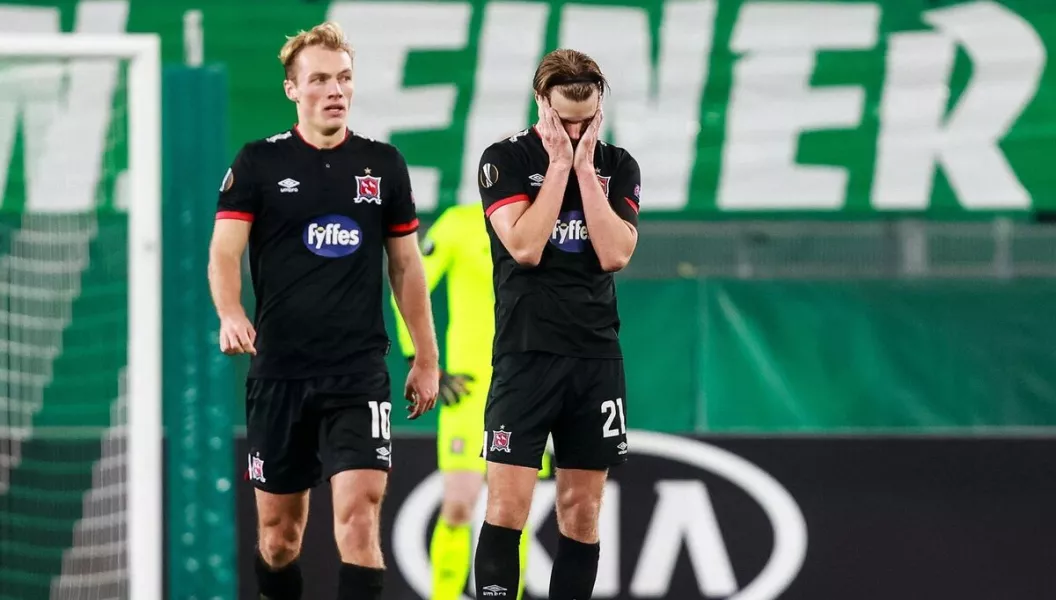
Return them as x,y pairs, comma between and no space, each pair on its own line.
320,218
566,305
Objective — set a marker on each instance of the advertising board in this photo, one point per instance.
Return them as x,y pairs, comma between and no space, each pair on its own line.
751,518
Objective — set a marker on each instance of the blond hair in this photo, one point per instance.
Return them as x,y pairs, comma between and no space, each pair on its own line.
329,35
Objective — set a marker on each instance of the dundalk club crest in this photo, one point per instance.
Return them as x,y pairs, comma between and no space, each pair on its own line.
256,469
500,440
368,188
604,181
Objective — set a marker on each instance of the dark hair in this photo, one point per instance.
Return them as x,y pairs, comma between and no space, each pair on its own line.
575,74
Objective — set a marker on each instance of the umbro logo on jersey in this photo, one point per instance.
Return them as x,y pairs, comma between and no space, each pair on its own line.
494,590
288,185
536,179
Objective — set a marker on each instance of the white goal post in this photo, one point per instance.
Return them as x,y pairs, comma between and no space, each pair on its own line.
145,521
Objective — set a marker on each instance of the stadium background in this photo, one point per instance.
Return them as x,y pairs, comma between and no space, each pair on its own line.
863,312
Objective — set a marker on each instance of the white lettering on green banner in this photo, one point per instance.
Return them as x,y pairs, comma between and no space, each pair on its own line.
742,107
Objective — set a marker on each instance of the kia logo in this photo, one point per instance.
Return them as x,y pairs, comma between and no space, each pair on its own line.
682,520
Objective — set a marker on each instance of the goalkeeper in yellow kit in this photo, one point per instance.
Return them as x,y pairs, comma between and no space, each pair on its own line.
457,247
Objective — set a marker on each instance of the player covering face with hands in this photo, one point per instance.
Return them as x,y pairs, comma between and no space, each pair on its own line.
318,208
456,250
562,214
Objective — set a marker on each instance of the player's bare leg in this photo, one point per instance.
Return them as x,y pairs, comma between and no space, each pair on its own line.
450,549
461,490
497,563
578,508
357,520
281,519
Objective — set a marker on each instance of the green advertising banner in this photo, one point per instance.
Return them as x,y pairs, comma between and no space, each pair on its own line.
854,357
846,109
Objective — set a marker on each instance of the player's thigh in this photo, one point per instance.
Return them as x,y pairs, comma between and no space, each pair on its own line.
357,496
458,437
526,395
283,437
281,519
591,432
510,490
354,423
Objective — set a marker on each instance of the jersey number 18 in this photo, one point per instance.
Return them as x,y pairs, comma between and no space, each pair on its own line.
379,419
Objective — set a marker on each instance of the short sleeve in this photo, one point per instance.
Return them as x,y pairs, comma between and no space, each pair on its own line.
401,216
501,179
625,190
239,196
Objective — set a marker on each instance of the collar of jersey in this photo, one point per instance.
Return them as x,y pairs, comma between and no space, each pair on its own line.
297,133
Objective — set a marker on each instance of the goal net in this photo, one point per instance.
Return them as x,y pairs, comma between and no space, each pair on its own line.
80,432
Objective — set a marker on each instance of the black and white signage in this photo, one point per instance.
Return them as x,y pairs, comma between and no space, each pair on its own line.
758,519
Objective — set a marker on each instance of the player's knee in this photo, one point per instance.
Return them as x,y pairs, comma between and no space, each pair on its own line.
279,544
356,534
510,491
456,512
577,514
356,526
508,510
461,492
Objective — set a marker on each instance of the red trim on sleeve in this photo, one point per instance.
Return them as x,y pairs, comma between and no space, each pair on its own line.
404,227
234,214
510,200
634,206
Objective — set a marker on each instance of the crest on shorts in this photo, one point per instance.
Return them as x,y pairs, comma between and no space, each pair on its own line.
256,468
500,440
604,181
368,188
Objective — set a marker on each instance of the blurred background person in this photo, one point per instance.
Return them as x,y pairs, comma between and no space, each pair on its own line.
457,247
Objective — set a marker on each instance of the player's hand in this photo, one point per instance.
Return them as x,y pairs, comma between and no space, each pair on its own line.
237,335
453,387
555,139
423,385
588,141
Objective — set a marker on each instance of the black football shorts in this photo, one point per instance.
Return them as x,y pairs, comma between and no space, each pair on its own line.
302,431
580,401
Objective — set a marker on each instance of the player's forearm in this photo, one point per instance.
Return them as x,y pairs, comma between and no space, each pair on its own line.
411,292
434,269
532,230
613,239
225,284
